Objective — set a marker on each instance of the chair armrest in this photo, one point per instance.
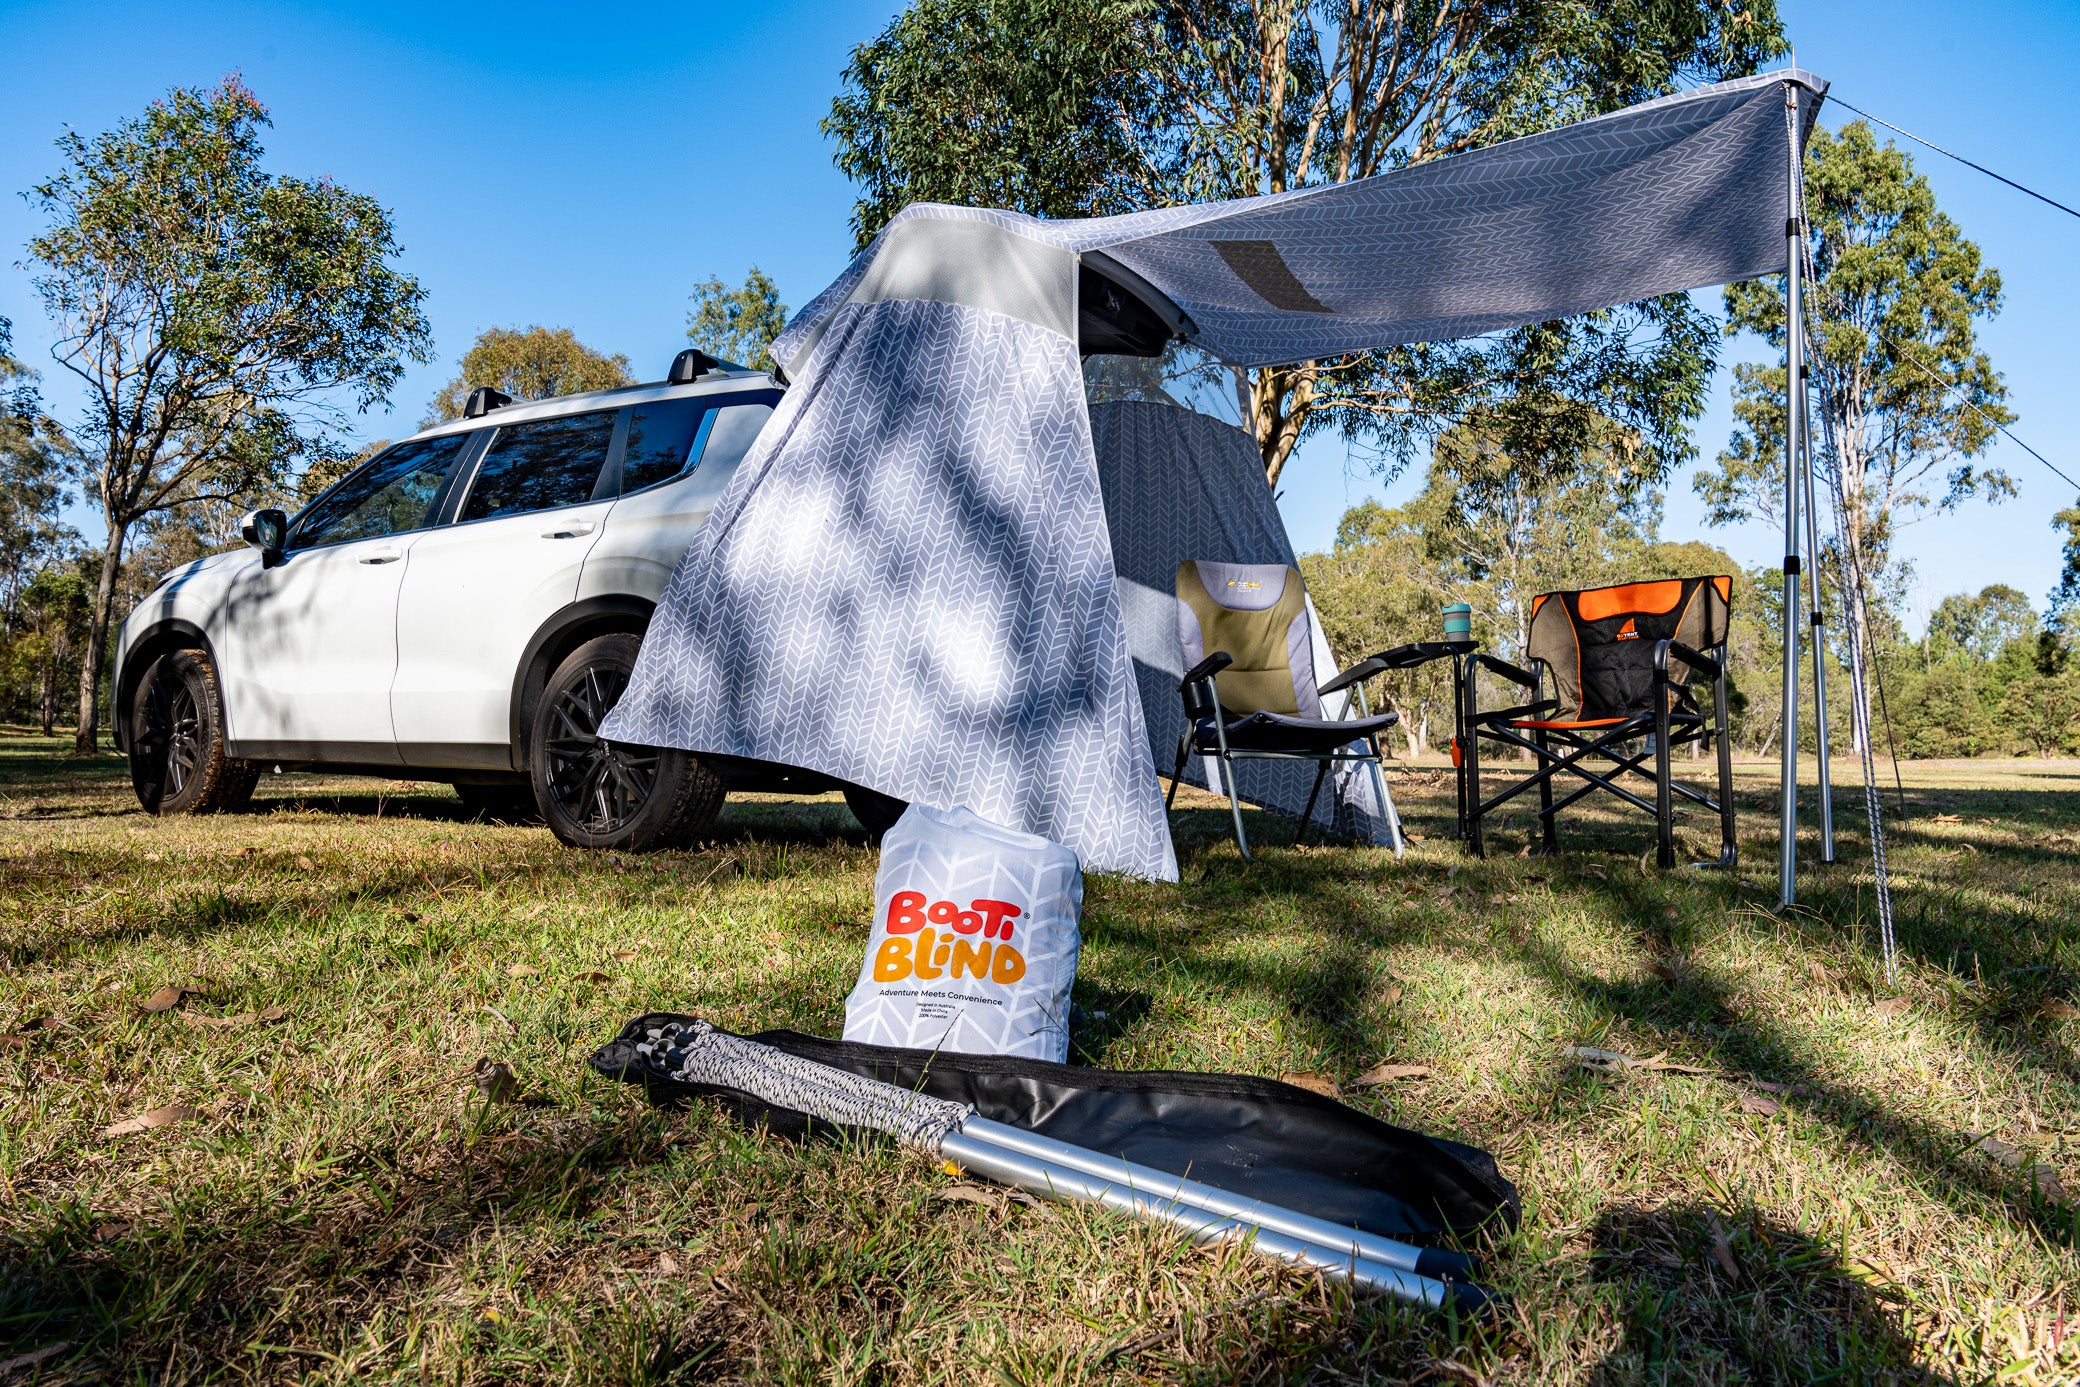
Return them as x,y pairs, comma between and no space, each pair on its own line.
1508,671
1357,673
1423,652
1710,667
1213,664
1528,710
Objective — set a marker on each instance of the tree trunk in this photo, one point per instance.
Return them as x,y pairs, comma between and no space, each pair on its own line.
1281,397
48,697
87,741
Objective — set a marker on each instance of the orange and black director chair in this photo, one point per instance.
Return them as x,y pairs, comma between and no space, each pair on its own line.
1609,667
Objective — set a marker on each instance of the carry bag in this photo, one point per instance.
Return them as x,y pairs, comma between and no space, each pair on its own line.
974,942
1251,1136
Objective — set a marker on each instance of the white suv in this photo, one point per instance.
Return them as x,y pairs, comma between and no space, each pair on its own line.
465,606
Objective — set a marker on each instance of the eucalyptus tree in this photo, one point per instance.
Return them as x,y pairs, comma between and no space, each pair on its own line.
531,363
218,316
1075,107
1907,399
737,324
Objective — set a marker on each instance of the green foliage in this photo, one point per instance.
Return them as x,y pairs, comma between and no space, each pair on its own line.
217,316
2065,598
531,363
1978,628
737,324
1073,107
32,493
1908,397
1027,104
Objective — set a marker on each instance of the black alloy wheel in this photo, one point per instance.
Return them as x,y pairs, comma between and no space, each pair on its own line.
177,760
600,794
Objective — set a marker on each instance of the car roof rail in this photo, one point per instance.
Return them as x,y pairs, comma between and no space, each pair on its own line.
483,400
693,363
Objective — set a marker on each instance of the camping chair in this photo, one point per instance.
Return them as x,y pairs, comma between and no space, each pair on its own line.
1621,663
1250,694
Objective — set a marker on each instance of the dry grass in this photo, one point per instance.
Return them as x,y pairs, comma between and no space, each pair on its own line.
343,1205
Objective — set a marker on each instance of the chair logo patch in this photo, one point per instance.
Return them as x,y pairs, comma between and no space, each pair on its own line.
1244,583
1629,631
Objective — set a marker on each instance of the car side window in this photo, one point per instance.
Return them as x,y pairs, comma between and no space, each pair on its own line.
388,495
540,465
669,438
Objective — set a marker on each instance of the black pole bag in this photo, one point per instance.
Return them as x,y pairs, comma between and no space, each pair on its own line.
1254,1137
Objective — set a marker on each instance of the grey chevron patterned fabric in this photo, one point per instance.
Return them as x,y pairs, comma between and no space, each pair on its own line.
909,585
1179,485
1678,193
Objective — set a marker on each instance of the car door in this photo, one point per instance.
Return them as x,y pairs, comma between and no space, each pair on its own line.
308,645
680,455
480,587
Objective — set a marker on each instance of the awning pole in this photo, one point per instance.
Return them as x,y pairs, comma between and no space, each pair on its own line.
1819,636
1794,422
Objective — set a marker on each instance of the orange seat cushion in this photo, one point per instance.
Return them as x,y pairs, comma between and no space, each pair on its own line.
1580,722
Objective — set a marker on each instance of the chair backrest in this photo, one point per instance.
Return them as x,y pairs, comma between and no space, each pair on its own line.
1599,642
1257,612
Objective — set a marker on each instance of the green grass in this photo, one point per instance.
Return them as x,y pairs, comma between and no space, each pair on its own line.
346,1206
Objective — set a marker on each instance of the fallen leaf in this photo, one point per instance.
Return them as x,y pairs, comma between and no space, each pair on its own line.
157,1117
1589,1057
1666,1067
410,917
592,975
1999,1152
1944,819
1722,1252
1671,913
167,998
305,864
495,1081
1662,971
275,1013
1767,1087
1499,900
1762,1107
666,1264
1390,996
153,857
13,1042
1892,1006
973,1194
1312,1082
1415,837
1388,1073
505,1018
2060,1011
35,1356
1447,893
522,970
627,955
109,1232
951,1169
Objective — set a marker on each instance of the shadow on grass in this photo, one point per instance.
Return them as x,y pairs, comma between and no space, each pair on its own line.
192,1285
1697,1018
1744,1300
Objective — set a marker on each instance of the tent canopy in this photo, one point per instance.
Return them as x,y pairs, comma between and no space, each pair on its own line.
915,580
1679,193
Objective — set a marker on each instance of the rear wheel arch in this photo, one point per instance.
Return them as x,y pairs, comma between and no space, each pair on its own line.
552,644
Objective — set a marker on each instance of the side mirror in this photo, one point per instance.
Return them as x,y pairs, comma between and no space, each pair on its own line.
268,531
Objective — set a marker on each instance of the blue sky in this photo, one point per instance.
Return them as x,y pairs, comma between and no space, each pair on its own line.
545,167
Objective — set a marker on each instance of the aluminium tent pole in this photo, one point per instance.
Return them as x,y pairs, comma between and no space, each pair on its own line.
1819,624
1794,399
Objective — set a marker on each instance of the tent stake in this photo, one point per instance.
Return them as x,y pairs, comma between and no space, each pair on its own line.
1794,399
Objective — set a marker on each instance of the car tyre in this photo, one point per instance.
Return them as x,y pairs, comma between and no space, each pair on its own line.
598,794
877,813
177,760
